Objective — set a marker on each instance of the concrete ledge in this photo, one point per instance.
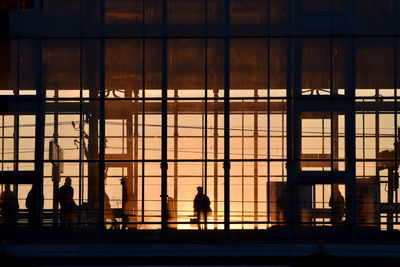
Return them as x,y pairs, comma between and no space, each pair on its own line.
235,250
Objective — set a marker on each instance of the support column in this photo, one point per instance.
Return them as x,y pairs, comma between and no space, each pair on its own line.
93,119
39,147
176,146
173,213
256,158
390,216
350,137
215,137
102,122
55,172
130,206
164,121
135,158
227,163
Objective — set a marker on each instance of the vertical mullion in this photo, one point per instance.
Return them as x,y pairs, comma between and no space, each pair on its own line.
350,127
176,144
55,166
314,200
215,139
395,117
39,147
256,158
143,102
289,125
334,93
102,120
164,119
323,194
377,169
268,181
81,119
242,163
363,137
16,116
269,126
2,144
16,143
206,97
323,139
18,47
135,154
282,139
226,120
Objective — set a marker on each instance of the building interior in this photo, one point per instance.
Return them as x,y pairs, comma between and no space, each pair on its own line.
284,112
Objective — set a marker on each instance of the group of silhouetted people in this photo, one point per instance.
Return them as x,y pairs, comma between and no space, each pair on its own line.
65,198
9,206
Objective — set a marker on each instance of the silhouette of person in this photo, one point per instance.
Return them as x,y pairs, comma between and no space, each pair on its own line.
336,202
108,212
9,206
282,207
201,206
30,205
65,196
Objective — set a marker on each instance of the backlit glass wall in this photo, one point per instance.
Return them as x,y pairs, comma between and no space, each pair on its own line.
283,111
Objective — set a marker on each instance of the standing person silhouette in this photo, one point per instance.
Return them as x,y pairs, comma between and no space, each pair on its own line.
109,216
30,205
201,206
337,205
65,196
9,206
282,205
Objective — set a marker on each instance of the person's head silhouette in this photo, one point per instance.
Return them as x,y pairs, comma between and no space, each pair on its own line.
200,190
68,181
8,187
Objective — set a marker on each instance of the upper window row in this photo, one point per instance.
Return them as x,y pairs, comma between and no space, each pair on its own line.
196,18
258,67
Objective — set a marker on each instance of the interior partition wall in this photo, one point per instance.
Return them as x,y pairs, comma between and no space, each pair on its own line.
277,109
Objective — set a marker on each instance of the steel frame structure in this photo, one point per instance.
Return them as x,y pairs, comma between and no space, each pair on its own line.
97,107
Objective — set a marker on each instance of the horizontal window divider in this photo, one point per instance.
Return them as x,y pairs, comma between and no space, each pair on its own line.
283,35
77,99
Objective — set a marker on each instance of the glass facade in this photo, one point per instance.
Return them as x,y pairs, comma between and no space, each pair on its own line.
283,111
